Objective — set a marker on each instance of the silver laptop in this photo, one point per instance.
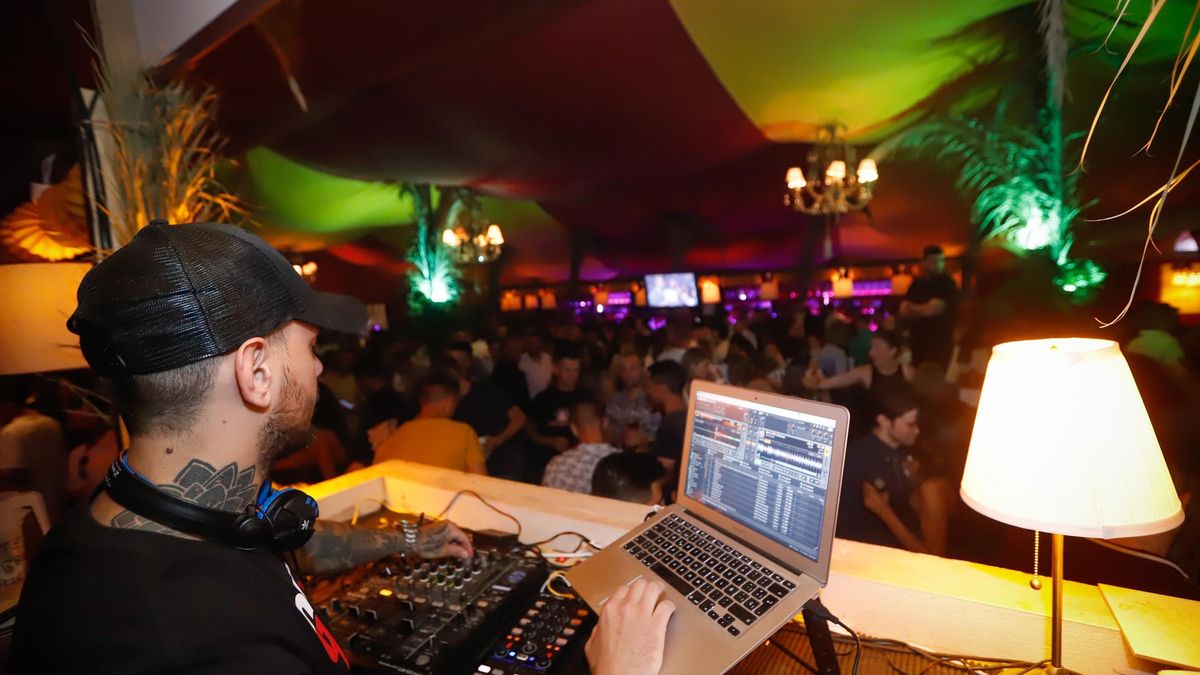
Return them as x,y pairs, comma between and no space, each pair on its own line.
749,540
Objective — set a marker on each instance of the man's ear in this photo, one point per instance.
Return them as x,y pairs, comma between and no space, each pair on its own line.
253,373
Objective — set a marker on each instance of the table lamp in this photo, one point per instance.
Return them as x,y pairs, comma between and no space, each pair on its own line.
1062,444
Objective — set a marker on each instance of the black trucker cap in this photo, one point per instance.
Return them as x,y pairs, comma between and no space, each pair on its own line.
178,294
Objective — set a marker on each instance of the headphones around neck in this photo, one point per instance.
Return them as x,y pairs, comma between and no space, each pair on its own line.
281,520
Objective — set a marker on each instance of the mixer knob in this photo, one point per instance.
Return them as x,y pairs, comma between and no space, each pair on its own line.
423,575
406,605
529,647
372,615
406,626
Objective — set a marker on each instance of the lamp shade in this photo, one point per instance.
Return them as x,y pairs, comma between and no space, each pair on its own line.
38,300
868,171
795,178
1062,444
836,170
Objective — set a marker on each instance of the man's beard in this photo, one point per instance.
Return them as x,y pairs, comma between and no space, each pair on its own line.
288,428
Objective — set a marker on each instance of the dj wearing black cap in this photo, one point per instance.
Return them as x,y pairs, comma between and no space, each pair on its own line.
177,562
176,565
207,335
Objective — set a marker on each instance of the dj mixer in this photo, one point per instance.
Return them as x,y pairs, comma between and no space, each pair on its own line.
489,614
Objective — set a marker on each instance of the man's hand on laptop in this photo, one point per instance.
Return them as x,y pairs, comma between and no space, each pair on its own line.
631,633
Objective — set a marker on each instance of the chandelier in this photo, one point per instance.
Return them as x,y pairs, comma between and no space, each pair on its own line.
832,190
472,238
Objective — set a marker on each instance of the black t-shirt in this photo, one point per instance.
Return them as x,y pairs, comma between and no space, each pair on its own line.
509,376
932,338
108,600
485,408
870,460
668,441
551,412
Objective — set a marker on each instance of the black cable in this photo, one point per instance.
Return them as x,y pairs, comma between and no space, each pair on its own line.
484,502
823,612
793,655
583,539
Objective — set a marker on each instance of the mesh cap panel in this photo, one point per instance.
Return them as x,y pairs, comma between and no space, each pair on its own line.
180,294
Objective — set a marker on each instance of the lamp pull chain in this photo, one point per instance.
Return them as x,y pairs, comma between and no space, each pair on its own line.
1035,583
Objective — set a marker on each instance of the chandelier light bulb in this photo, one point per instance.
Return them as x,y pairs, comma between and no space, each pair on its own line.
494,236
836,170
795,178
868,172
449,238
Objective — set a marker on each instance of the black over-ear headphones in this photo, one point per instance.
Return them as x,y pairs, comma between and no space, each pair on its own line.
282,520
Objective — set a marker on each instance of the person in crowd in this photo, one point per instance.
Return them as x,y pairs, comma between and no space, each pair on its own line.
795,370
929,308
860,345
506,369
381,401
1158,324
676,334
572,470
33,456
487,408
883,373
880,503
698,365
745,330
537,365
631,420
323,458
340,378
630,477
665,392
433,437
208,405
549,425
829,358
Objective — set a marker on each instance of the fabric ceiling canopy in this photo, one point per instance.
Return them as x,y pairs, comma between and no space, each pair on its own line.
659,129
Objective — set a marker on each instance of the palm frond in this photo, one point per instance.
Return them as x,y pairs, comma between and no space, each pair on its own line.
165,153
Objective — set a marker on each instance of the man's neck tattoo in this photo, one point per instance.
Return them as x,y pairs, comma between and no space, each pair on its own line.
225,489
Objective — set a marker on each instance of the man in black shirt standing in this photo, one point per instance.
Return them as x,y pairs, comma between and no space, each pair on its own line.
491,412
665,392
929,308
549,425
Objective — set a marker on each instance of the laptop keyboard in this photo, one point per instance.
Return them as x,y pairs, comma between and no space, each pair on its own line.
730,588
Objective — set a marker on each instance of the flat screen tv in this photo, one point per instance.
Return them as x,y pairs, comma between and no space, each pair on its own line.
672,290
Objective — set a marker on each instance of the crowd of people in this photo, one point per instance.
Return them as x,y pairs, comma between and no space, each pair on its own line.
599,407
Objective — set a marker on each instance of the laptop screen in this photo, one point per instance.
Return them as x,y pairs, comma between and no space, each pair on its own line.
763,466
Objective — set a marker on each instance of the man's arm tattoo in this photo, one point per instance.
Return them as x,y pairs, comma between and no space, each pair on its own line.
228,488
337,547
